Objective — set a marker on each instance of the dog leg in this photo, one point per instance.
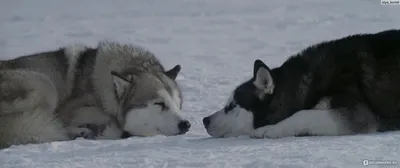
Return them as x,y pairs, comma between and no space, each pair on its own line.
82,116
91,118
313,122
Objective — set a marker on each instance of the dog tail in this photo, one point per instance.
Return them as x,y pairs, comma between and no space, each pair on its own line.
27,105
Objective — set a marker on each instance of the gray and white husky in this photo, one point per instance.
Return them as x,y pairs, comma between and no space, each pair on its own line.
340,87
108,92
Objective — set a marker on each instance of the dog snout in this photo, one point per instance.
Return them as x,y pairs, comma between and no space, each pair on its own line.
184,126
206,121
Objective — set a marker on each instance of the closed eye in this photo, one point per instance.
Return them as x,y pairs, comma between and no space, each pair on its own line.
161,104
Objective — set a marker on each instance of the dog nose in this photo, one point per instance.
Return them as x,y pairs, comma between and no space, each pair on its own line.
206,121
184,126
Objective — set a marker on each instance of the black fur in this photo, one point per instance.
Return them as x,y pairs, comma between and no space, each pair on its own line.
360,73
173,73
84,67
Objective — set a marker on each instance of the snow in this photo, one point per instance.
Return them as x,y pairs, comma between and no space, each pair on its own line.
216,42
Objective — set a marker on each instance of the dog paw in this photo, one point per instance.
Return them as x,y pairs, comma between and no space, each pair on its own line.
86,133
78,132
268,131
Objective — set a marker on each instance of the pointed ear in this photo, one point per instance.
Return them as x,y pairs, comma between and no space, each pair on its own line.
263,78
173,73
120,83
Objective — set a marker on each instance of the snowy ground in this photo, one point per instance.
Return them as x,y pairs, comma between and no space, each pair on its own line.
216,42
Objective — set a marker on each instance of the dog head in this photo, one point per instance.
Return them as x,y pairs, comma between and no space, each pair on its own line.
246,108
150,102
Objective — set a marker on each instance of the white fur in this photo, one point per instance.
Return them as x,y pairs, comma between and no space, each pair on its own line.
72,53
239,121
314,122
151,120
172,101
112,131
323,104
236,122
120,85
175,98
74,132
264,81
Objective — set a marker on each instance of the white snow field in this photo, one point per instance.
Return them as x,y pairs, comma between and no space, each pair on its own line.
216,42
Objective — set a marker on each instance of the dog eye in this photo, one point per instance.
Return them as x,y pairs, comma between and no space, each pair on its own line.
161,104
229,107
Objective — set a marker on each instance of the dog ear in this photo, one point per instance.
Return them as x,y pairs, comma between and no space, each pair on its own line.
173,73
262,78
120,83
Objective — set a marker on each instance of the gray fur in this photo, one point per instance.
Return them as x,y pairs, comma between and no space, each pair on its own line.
51,96
27,114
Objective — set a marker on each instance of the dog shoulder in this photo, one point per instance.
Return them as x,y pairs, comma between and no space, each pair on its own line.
73,51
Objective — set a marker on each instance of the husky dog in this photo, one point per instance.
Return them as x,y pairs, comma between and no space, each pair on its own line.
108,92
345,86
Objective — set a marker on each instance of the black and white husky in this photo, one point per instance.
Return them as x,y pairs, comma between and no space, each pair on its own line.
340,87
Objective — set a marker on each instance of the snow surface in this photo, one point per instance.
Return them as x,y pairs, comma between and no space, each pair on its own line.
216,42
